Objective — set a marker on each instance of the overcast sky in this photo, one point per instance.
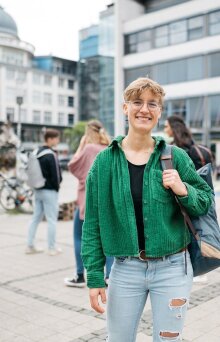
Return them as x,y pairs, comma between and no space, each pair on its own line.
52,25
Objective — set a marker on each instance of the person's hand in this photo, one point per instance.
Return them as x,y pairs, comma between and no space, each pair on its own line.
94,299
171,180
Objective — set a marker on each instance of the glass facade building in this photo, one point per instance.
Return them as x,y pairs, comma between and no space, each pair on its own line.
96,71
106,52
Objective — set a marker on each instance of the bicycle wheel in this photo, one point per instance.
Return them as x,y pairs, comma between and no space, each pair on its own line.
7,197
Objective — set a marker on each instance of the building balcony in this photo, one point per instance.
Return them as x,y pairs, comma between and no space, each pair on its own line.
17,44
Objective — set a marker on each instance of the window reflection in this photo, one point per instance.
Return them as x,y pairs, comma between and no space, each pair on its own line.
214,23
214,110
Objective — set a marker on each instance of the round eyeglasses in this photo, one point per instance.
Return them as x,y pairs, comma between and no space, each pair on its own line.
138,104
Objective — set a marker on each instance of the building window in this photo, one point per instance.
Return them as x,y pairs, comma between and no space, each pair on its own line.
36,78
161,73
143,41
70,119
13,57
70,101
23,115
196,112
21,76
214,65
138,42
177,71
134,73
178,107
61,118
47,117
62,100
70,84
195,68
214,23
161,36
10,114
195,28
47,98
10,73
178,32
10,94
36,97
47,80
61,82
130,43
214,110
36,116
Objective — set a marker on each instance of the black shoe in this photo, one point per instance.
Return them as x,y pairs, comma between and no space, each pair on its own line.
78,281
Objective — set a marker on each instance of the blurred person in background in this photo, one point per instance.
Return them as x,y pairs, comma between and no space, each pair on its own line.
175,128
94,141
46,198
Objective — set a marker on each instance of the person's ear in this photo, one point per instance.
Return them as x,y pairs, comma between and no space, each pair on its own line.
125,108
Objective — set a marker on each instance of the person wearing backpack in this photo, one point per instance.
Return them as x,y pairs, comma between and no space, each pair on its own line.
131,214
176,128
45,177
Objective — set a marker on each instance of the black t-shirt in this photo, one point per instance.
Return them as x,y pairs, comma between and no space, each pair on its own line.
136,182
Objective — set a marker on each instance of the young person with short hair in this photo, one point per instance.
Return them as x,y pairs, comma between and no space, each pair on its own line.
46,198
131,215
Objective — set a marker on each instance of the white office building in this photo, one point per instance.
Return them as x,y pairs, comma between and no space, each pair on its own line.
38,91
177,43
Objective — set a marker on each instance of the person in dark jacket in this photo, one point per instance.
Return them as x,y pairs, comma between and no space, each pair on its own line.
46,198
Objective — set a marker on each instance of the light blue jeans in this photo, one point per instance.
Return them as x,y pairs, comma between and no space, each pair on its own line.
46,203
131,280
77,242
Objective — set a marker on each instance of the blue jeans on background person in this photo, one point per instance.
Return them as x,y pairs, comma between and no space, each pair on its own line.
77,240
131,280
46,204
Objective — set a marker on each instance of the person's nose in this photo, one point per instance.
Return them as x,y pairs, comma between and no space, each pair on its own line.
145,107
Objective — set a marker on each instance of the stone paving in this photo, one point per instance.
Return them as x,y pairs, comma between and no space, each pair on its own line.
35,305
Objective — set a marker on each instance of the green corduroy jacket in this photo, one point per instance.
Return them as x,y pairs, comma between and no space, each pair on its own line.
109,227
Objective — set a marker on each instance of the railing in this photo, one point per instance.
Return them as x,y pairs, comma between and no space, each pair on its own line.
16,43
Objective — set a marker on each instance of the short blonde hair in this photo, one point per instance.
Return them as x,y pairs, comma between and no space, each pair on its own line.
137,87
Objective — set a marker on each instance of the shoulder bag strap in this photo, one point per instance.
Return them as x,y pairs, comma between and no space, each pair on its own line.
167,163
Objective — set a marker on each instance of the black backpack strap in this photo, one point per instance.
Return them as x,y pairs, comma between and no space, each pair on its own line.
166,157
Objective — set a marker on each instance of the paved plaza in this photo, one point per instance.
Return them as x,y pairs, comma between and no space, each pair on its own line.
35,305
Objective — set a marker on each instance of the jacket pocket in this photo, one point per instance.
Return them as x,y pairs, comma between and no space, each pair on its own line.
159,192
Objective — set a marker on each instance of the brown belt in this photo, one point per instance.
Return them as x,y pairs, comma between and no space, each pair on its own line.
142,256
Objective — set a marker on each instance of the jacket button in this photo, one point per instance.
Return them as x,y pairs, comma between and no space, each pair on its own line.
145,202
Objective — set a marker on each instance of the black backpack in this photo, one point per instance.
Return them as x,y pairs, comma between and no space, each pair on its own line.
204,248
200,155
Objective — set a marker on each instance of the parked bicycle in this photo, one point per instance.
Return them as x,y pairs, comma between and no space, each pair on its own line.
15,194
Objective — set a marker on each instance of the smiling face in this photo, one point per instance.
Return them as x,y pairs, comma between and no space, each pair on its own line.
143,112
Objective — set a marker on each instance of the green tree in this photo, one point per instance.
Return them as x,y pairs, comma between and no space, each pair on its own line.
74,134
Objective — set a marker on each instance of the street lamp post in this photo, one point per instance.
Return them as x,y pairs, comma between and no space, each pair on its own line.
19,100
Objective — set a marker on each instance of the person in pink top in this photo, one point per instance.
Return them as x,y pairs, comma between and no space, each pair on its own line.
94,141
